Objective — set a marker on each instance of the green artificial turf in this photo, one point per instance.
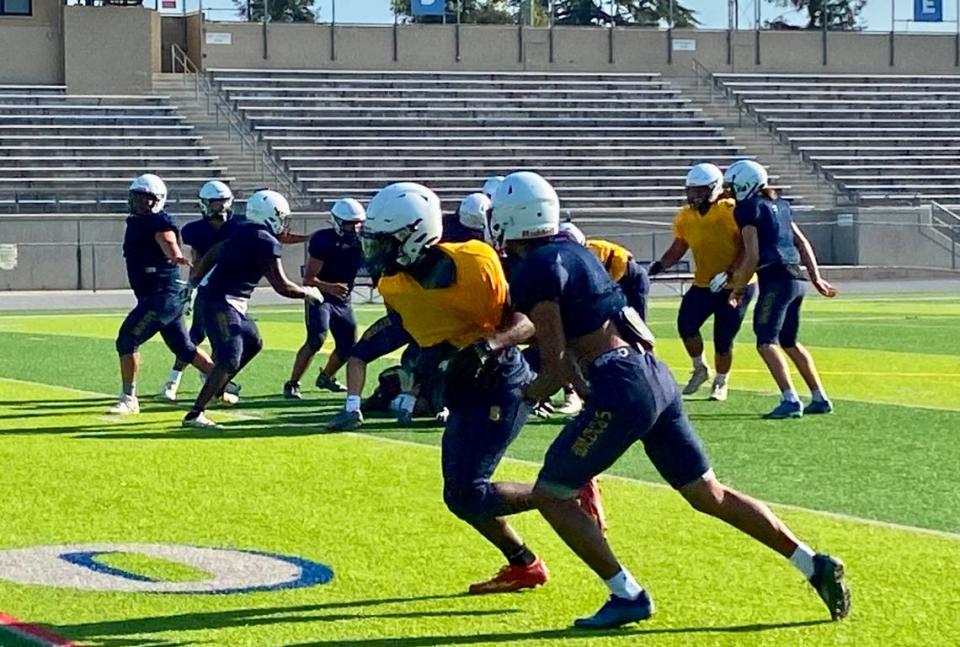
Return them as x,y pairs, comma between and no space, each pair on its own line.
369,504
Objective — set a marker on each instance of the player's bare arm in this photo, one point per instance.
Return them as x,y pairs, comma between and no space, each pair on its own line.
809,259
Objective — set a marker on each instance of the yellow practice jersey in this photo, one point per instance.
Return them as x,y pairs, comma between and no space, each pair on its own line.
713,238
470,309
614,258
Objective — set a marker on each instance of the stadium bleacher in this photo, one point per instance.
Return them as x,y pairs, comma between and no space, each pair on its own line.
616,141
64,152
883,139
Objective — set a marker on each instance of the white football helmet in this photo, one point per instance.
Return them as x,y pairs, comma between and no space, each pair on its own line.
150,184
346,210
491,184
403,221
524,207
573,232
745,178
709,176
474,210
212,191
270,209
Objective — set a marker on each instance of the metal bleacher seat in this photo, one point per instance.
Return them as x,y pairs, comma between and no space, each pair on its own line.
604,140
884,139
59,150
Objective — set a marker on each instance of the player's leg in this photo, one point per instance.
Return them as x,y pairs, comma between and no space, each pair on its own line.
343,327
775,297
695,306
381,338
142,323
317,321
473,443
618,412
224,326
727,320
803,360
678,455
197,336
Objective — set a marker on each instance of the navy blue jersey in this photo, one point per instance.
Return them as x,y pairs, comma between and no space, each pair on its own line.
148,269
454,232
247,250
564,271
201,235
774,222
342,257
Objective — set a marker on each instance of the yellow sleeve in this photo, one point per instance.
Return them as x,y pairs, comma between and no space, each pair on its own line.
678,226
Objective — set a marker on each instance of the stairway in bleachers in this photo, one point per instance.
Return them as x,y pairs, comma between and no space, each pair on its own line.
70,153
882,139
606,141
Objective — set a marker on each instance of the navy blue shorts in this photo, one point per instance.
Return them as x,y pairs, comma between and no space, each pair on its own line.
633,397
474,441
233,336
334,317
698,304
776,319
162,313
636,287
382,337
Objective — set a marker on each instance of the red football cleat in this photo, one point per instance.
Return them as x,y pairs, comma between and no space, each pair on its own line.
589,499
513,578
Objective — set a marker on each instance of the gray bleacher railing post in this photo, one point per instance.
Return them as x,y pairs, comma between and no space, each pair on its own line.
956,40
756,35
264,30
520,37
670,35
93,264
824,18
456,33
893,25
79,260
552,8
395,35
333,30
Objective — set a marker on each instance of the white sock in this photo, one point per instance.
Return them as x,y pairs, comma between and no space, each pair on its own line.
802,559
789,395
175,376
698,362
720,378
353,403
819,395
624,586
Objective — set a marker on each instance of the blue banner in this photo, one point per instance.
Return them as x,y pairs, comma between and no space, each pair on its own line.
928,10
428,7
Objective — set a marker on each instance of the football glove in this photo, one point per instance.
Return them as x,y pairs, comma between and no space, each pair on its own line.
470,364
312,293
718,281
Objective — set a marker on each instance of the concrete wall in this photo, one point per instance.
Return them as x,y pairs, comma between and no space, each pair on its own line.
31,47
498,47
111,49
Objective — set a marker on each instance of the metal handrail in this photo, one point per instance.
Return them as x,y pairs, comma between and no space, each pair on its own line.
234,124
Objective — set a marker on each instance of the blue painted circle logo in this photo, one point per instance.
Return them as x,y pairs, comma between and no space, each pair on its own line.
227,570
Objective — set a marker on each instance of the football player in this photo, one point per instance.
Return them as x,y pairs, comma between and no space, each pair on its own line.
705,226
774,248
335,259
230,272
582,320
216,208
469,221
622,268
151,248
454,295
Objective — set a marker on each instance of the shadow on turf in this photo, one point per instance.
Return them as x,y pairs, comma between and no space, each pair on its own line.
113,632
570,634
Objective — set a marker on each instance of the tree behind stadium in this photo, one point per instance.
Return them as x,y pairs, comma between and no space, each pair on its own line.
566,12
279,10
841,14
